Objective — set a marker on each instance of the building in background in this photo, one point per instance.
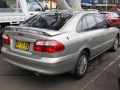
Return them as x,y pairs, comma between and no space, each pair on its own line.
49,3
86,3
102,5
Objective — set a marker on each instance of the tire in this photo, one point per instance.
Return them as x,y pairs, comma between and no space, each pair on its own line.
115,45
82,65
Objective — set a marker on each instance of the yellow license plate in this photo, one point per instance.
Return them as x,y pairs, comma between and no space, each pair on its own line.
22,45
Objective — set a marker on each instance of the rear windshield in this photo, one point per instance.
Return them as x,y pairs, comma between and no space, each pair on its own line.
48,21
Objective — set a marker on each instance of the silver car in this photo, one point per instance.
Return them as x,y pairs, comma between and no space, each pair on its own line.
59,42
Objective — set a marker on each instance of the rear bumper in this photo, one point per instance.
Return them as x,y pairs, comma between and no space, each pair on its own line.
50,66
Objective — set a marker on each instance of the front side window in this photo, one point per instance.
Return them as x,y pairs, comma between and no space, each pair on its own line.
51,21
101,23
33,5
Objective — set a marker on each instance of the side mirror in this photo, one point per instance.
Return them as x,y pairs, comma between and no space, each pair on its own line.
113,24
109,25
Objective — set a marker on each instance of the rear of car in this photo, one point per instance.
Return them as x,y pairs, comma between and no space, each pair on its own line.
34,45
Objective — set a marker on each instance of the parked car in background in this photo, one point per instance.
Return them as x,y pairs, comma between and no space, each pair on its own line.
112,18
93,10
59,42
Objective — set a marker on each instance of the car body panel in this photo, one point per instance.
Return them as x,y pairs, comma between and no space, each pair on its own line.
96,41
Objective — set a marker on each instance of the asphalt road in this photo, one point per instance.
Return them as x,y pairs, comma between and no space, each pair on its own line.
102,75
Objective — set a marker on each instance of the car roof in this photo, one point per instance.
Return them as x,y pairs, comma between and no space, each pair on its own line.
107,12
72,12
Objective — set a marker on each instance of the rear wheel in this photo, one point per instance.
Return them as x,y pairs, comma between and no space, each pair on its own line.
82,65
115,45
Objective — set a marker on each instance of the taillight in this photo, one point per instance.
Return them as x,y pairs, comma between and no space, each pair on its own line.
50,46
6,39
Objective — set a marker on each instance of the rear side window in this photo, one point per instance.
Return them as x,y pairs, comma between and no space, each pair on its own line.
51,21
92,25
84,25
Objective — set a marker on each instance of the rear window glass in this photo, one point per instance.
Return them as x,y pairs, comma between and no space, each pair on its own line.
53,21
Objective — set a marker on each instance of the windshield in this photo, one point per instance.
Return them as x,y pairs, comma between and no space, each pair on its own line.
48,21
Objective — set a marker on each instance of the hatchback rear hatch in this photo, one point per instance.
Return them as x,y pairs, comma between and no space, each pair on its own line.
31,36
22,40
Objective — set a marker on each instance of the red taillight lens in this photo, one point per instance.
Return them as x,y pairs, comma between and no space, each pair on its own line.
38,46
51,46
6,39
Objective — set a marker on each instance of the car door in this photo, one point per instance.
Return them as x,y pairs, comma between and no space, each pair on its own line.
93,35
107,32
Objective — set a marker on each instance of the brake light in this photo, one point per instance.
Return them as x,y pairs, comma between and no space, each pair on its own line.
6,39
51,46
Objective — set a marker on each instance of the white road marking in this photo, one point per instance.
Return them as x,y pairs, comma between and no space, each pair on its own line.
90,82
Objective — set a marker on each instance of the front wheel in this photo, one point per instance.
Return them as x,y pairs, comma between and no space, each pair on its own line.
115,45
82,65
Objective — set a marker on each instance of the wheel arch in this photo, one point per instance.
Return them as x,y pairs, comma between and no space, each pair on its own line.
118,35
87,50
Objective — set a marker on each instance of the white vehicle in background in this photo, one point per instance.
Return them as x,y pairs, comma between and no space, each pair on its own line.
14,12
17,11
